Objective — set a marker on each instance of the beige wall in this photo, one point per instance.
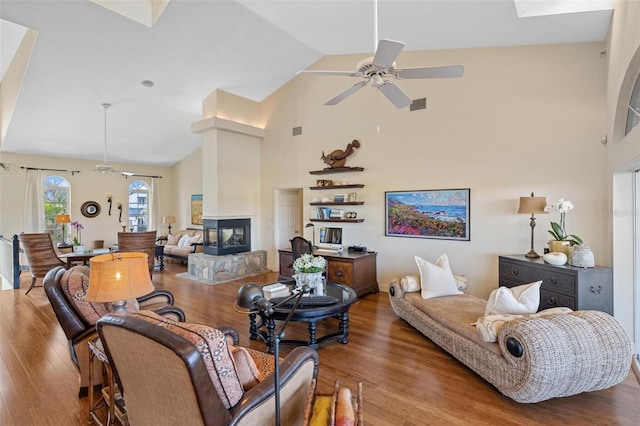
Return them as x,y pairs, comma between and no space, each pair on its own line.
85,186
187,181
521,119
624,157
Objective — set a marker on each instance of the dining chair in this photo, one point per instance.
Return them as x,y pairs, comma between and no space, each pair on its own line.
142,242
41,255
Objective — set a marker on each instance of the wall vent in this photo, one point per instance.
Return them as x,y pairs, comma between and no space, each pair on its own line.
418,104
296,131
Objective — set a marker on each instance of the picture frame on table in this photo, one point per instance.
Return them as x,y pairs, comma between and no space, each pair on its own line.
438,214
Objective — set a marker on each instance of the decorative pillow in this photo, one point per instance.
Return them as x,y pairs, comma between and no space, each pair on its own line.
173,240
252,366
212,345
522,299
488,327
74,284
410,283
185,241
436,279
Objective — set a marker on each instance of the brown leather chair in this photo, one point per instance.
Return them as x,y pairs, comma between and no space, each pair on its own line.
143,242
145,354
40,253
77,317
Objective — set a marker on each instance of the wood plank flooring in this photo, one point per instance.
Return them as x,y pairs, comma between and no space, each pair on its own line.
407,379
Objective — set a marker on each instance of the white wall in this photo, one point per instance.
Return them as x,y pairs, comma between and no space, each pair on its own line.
521,119
187,181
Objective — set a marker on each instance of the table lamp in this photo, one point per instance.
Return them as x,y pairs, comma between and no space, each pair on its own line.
63,219
532,205
117,277
169,220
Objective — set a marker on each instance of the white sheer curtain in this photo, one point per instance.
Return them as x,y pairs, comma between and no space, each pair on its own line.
34,202
154,205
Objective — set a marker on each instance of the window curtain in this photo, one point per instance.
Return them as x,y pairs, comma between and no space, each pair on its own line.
34,202
154,205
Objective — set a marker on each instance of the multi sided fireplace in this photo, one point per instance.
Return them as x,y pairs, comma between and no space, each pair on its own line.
226,236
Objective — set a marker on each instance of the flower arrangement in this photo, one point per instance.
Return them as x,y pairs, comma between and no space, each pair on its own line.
308,263
77,240
558,230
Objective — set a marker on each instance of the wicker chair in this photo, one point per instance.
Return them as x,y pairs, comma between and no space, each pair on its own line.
143,242
41,255
146,353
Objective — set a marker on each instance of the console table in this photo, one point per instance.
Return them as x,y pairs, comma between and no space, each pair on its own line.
354,269
575,288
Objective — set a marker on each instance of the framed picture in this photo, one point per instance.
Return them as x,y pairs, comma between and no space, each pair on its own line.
196,209
440,214
352,197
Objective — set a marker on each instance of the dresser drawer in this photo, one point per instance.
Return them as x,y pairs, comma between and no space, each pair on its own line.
340,272
554,281
550,299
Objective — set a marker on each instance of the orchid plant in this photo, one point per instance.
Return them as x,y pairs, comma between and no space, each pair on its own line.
77,240
558,230
308,263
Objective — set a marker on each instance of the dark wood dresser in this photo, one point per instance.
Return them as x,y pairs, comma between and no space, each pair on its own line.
356,270
575,288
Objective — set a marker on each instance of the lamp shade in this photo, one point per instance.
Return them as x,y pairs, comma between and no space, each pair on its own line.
63,218
169,219
532,205
247,295
119,276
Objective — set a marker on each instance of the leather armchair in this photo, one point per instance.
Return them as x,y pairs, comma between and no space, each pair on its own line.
146,352
79,326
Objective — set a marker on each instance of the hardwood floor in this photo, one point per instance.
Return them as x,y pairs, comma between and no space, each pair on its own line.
407,379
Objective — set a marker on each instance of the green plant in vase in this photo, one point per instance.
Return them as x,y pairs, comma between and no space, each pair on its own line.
562,241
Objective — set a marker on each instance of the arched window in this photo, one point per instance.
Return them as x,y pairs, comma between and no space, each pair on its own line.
633,113
138,206
57,199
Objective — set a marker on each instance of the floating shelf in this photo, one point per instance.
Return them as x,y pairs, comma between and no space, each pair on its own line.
354,185
330,170
331,203
338,220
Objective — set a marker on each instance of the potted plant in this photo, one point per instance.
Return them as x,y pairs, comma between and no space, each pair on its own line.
562,241
78,245
308,271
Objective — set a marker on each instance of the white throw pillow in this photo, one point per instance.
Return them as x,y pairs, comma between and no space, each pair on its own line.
522,299
489,327
436,279
185,241
410,283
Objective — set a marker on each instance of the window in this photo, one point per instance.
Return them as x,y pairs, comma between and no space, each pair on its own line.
138,206
633,113
56,201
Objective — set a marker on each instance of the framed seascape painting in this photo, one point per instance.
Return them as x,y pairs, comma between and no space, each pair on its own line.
196,209
439,213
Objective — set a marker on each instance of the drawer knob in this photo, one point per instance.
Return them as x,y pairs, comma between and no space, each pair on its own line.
597,290
553,281
514,272
339,274
553,301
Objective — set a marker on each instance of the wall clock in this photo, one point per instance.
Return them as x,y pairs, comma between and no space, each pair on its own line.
90,209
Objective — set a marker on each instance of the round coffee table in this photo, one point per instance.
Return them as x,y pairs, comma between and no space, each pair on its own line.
345,297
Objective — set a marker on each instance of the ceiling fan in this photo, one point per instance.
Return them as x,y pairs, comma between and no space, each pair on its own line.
381,68
104,167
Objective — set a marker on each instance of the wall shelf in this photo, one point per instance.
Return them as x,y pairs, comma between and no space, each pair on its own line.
338,220
346,203
330,170
354,185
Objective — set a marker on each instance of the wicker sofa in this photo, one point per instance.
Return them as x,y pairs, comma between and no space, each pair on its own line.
534,359
177,246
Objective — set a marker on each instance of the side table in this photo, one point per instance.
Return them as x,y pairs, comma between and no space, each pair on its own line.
115,411
159,253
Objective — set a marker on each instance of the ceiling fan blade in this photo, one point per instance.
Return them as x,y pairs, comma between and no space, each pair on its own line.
350,91
448,71
395,95
387,52
321,72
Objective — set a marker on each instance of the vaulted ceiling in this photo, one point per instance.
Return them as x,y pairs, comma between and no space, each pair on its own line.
86,54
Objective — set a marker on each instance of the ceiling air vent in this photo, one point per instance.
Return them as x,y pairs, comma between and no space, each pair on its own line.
418,104
297,131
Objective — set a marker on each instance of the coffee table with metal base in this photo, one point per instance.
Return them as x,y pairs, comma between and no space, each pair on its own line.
345,297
